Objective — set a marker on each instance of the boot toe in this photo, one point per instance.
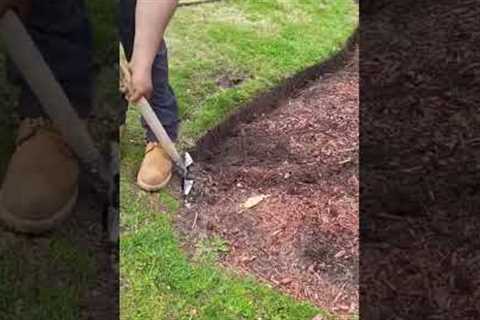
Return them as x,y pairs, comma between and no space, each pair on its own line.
155,171
40,187
153,179
39,199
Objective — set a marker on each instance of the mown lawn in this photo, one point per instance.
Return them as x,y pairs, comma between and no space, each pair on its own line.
261,42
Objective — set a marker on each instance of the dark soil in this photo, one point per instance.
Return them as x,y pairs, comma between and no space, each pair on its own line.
419,154
303,238
229,81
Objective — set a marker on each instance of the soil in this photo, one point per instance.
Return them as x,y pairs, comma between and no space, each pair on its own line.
228,81
302,238
419,154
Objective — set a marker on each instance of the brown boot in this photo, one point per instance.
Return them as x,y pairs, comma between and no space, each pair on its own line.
156,169
41,184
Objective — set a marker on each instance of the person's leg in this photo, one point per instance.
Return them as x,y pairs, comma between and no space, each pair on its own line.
163,100
127,34
156,168
61,31
127,25
43,169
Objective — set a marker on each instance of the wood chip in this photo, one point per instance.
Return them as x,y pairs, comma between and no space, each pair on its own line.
340,254
254,201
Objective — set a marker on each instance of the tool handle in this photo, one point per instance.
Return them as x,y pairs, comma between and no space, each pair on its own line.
160,133
42,82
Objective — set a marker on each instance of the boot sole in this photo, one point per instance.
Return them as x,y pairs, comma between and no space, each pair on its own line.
153,188
39,226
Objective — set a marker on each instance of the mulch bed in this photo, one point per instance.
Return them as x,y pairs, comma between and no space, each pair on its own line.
419,160
303,238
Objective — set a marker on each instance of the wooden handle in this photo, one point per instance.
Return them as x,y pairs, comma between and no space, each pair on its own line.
51,95
150,117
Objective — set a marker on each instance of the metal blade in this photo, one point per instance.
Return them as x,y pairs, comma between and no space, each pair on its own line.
188,160
187,186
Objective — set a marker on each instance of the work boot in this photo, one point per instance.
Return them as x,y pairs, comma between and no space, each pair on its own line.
156,169
40,187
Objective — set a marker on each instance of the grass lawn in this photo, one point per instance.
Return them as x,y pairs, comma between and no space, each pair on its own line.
261,42
43,279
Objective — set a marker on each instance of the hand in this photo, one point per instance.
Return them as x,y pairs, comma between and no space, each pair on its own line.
21,7
141,85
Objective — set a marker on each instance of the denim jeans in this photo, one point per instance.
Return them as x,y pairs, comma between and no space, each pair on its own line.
163,100
62,32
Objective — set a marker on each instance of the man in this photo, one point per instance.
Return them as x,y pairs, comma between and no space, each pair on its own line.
142,28
40,187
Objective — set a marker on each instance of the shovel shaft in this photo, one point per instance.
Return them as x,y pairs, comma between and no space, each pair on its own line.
42,82
160,133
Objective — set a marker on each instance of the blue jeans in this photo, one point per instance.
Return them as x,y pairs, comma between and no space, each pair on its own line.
62,32
163,100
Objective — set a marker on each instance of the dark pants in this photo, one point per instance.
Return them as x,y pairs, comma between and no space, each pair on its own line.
62,32
163,100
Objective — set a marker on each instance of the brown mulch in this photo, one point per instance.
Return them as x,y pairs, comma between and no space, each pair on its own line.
419,160
303,238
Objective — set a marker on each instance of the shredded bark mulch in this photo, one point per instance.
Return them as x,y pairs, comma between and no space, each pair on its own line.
303,237
419,160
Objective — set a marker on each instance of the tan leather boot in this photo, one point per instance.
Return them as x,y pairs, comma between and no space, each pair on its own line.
41,184
156,169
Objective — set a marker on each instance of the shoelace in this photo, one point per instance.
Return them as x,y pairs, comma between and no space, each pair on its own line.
151,146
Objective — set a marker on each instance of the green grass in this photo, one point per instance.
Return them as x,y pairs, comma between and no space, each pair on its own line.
43,280
262,42
158,281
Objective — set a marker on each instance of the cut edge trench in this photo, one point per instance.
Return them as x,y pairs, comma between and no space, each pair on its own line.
267,102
